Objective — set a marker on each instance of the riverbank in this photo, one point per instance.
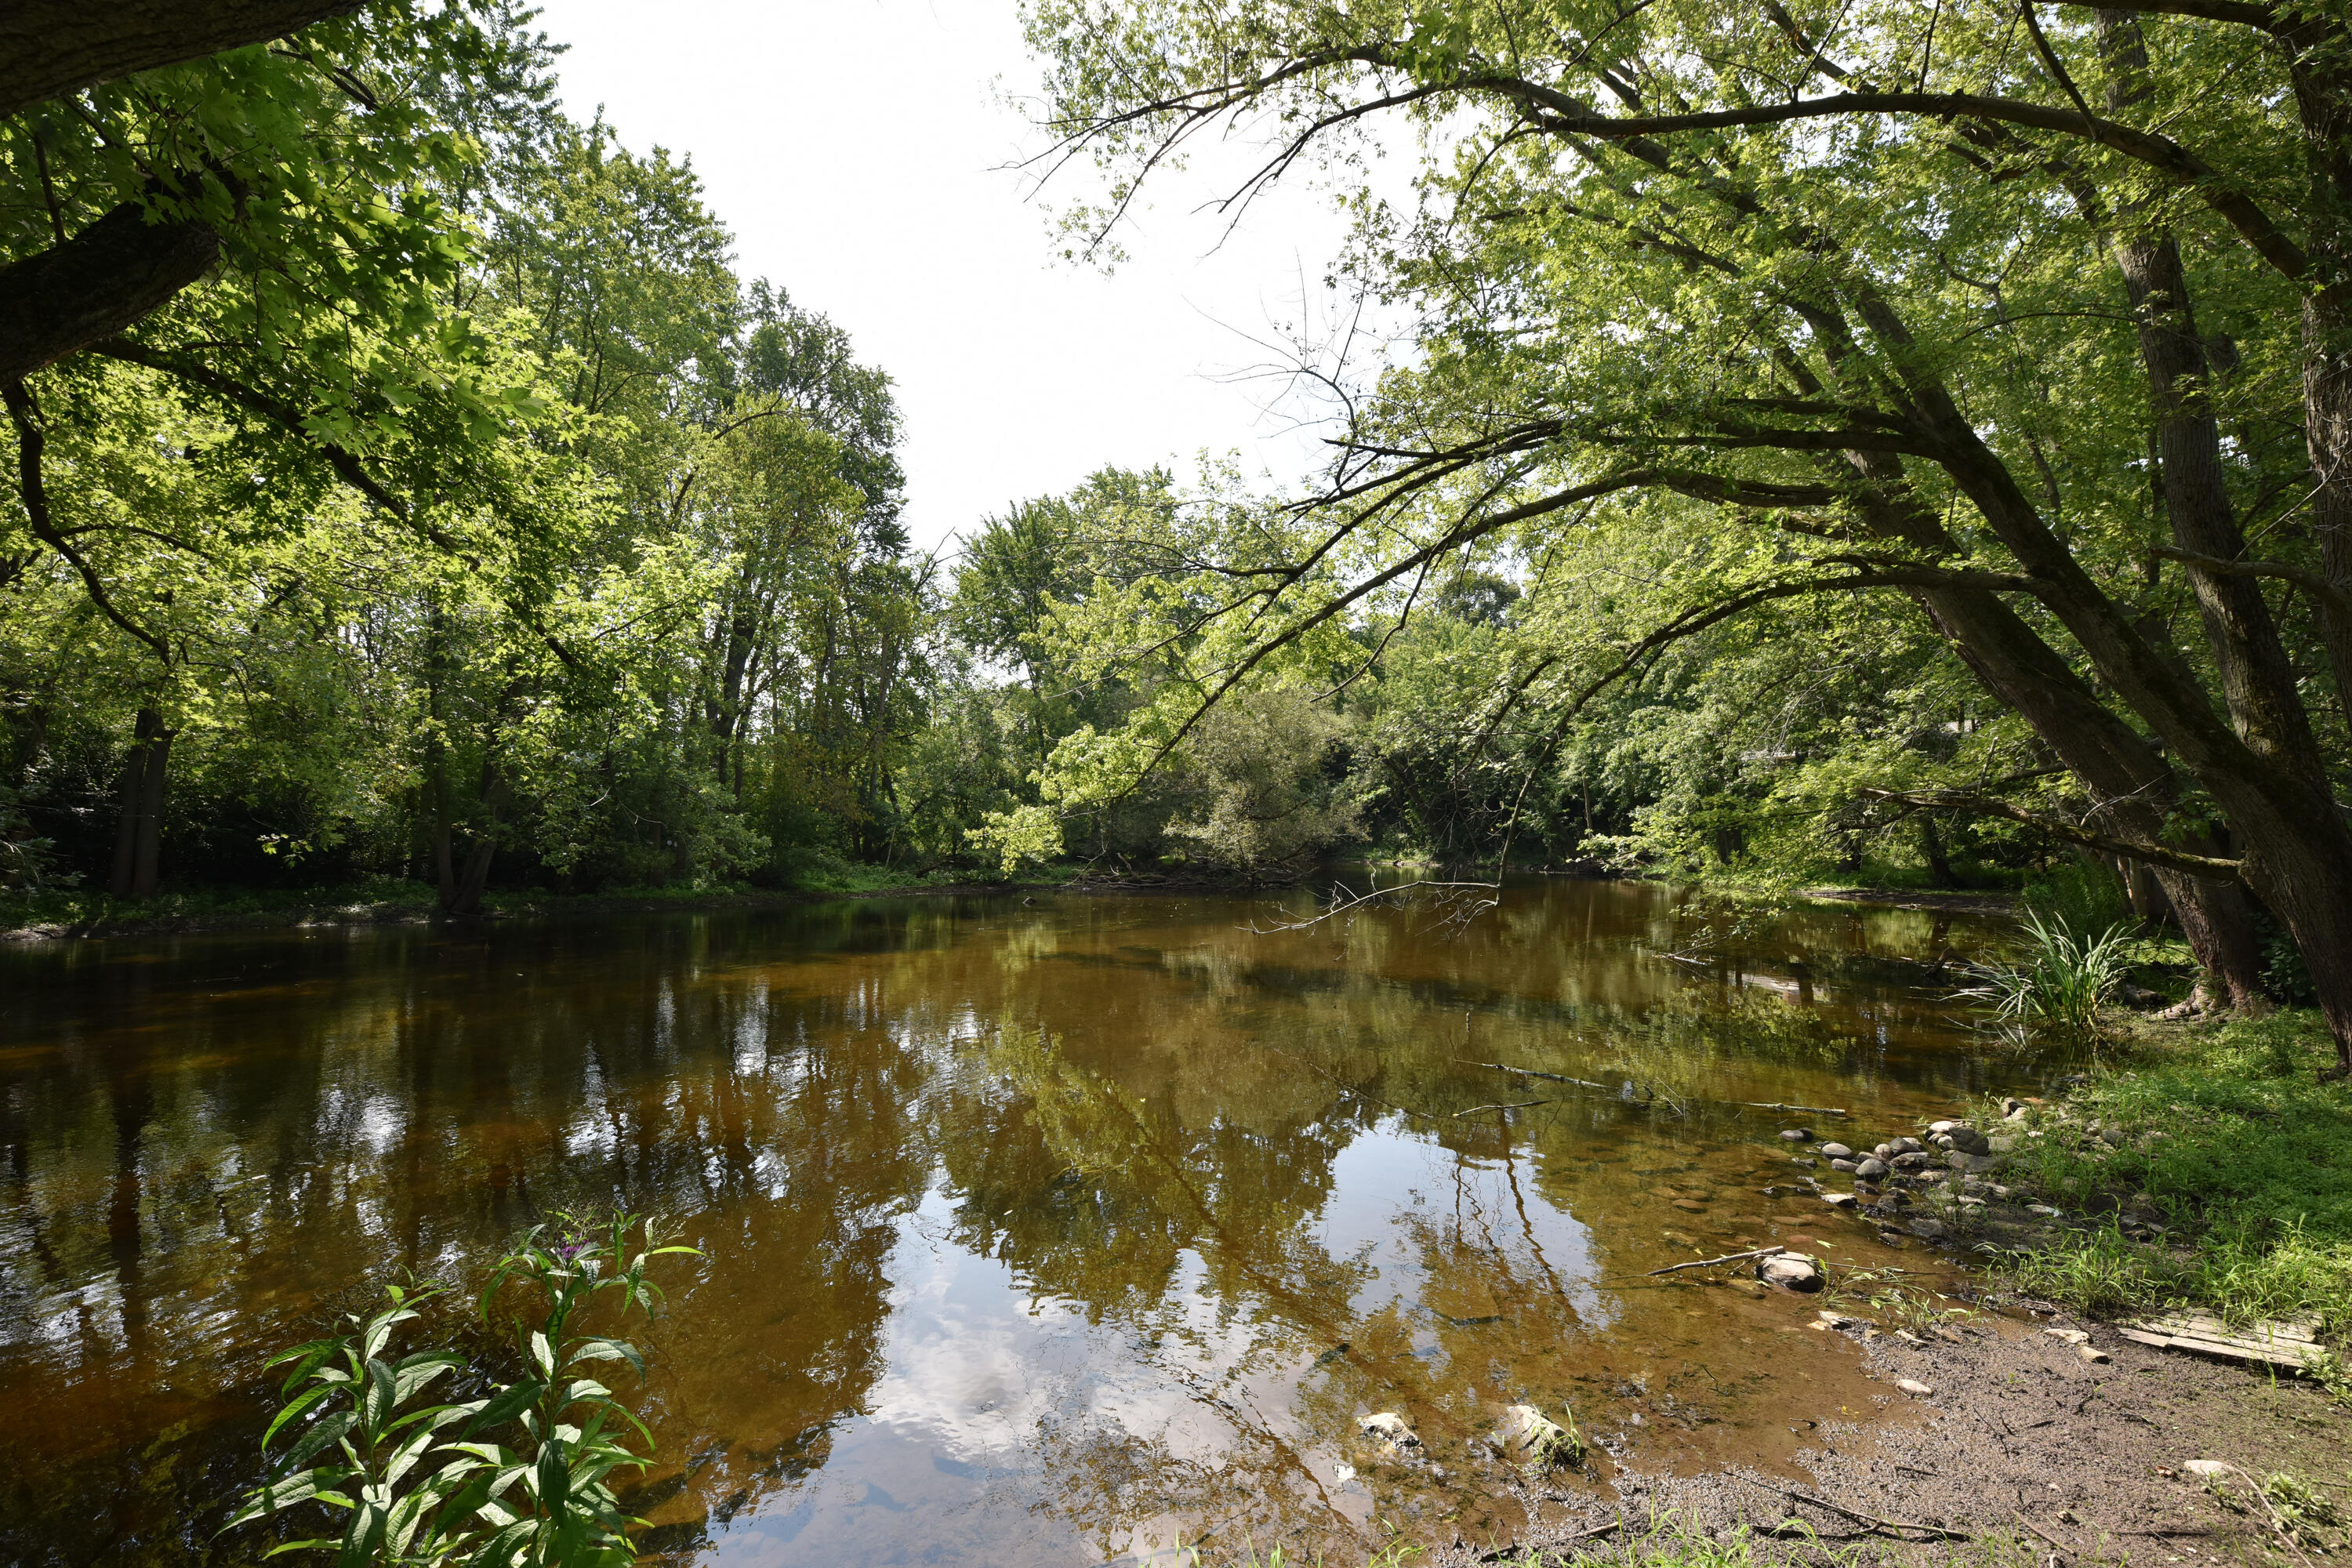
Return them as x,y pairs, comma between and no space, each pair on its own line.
2200,1167
2023,1447
70,913
52,916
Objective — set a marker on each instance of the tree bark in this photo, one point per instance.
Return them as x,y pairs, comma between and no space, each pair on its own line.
52,47
57,301
137,833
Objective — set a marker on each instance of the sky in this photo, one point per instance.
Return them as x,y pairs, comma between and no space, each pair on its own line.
858,151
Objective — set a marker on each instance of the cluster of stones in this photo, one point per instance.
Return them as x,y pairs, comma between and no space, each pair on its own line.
1946,1166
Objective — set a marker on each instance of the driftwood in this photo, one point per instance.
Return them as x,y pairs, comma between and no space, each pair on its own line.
1938,1530
1509,1552
1513,1105
1711,1262
1805,1109
2289,1344
2044,1534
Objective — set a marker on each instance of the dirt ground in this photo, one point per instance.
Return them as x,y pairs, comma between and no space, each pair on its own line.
2024,1451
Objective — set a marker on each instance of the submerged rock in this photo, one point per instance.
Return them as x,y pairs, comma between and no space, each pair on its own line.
1533,1438
1790,1271
1392,1429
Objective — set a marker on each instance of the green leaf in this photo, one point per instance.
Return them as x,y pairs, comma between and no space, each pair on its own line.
610,1350
505,1405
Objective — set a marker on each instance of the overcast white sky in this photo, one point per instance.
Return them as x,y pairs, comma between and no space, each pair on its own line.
855,148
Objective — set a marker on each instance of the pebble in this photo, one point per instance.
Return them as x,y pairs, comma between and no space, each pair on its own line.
1914,1388
1885,1150
2071,1336
1798,1134
1390,1428
1837,1151
1839,1200
1870,1170
1844,1166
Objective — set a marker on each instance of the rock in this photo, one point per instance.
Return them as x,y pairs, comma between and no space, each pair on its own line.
1840,1200
1969,1141
1798,1134
1927,1229
1390,1428
1905,1145
1690,1206
1847,1165
1790,1271
1936,1129
1870,1170
1837,1151
1533,1438
2208,1468
2071,1336
1960,1162
1842,1320
2010,1105
2093,1354
1914,1388
1886,1150
2044,1210
1912,1160
2020,1113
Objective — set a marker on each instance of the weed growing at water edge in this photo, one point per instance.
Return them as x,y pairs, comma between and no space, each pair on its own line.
516,1479
2065,980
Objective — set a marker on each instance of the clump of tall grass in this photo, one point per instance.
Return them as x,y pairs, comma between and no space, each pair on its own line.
2065,980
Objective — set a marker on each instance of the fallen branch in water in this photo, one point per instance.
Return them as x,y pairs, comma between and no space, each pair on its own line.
1938,1530
1711,1262
1807,1110
1513,1105
1530,1072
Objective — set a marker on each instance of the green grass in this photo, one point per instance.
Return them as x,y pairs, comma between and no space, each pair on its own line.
2241,1152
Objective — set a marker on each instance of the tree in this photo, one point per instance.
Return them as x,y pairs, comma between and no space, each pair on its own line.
1934,327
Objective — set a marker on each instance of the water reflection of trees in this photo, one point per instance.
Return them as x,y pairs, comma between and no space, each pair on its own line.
1137,1108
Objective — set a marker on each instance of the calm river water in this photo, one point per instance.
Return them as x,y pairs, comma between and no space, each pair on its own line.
1036,1231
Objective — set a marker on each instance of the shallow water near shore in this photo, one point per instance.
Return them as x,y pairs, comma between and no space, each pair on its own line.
1043,1230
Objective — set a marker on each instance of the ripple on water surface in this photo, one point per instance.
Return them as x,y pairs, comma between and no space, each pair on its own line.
1036,1232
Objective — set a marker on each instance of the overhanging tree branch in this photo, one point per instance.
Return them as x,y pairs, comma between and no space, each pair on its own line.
2133,848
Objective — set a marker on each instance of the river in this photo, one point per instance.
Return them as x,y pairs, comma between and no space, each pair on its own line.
1043,1229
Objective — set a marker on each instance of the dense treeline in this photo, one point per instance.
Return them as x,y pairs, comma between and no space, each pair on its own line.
1846,454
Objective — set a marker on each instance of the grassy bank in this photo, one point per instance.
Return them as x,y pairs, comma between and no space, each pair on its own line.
81,913
2222,1166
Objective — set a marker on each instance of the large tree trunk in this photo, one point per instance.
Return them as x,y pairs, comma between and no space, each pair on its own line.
139,800
49,48
2132,787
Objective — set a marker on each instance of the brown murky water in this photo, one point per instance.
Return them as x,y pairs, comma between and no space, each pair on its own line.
1036,1232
